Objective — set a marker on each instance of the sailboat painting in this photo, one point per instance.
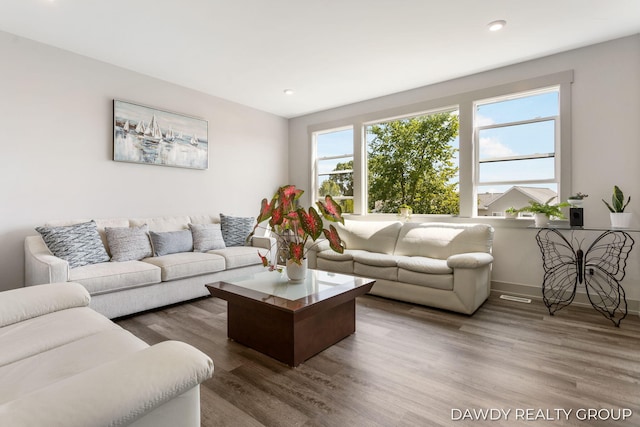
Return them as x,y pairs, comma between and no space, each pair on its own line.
156,137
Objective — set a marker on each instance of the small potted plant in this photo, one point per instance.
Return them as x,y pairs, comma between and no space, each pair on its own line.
576,200
511,212
542,212
619,218
405,210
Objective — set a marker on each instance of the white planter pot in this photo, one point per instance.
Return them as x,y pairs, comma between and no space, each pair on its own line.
511,215
406,212
541,220
296,272
620,219
575,203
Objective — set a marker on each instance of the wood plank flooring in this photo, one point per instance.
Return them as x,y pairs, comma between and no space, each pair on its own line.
409,365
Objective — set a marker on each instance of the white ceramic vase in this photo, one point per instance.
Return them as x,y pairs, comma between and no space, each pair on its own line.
540,219
620,219
296,272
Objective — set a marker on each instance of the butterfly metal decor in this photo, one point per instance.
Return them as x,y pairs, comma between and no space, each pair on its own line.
601,268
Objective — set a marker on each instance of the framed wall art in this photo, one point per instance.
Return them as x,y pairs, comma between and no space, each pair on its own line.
156,137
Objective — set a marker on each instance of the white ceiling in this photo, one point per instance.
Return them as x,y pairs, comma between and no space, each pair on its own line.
331,52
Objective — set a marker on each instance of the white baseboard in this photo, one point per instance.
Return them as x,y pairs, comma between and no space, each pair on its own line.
535,292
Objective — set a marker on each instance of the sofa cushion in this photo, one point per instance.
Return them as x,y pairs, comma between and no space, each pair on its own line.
206,237
171,242
187,264
426,239
62,361
101,224
162,223
347,255
109,277
376,272
78,244
235,229
238,256
203,219
43,333
374,236
129,243
337,266
426,265
376,259
436,281
441,240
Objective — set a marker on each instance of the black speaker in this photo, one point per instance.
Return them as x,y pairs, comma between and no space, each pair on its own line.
576,217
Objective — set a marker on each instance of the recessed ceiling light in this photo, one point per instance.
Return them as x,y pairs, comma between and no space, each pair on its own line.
288,91
497,25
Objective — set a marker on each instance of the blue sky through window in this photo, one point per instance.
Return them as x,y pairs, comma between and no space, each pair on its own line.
517,140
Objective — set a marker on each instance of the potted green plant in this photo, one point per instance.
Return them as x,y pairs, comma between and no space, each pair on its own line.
619,218
576,200
511,212
542,212
292,227
405,210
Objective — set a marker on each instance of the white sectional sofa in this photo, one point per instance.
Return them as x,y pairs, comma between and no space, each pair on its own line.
122,288
441,265
63,364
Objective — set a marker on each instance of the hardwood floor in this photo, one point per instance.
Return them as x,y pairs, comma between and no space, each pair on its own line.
409,365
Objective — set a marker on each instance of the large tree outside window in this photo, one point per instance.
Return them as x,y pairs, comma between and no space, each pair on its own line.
413,162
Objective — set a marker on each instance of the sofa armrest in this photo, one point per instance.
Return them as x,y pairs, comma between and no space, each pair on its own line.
115,393
263,242
469,260
40,265
319,245
21,304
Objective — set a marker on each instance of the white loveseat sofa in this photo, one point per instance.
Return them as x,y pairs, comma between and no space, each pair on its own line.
63,364
443,265
122,288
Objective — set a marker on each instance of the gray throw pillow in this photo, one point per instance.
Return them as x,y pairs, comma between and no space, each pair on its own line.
235,229
206,237
78,244
171,242
129,243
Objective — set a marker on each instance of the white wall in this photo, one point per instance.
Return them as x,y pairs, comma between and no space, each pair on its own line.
605,145
56,137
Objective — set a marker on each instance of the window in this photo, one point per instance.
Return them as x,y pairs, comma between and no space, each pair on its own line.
413,161
334,166
469,154
517,140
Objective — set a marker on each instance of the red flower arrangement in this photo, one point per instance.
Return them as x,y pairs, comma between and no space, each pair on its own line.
292,226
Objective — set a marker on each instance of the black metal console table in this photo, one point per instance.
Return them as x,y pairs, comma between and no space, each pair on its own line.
601,267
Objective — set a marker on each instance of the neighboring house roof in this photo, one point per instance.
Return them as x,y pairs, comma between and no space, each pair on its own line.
540,195
485,199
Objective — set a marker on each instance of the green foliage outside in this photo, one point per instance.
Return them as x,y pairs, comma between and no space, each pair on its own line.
410,162
340,185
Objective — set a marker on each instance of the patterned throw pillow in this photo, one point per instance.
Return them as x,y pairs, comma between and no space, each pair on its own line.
78,244
171,242
235,229
206,237
129,243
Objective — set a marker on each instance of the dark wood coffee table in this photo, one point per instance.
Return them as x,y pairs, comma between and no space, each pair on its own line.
291,322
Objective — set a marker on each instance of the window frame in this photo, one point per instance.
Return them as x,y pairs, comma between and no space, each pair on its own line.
365,125
315,159
556,140
468,182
